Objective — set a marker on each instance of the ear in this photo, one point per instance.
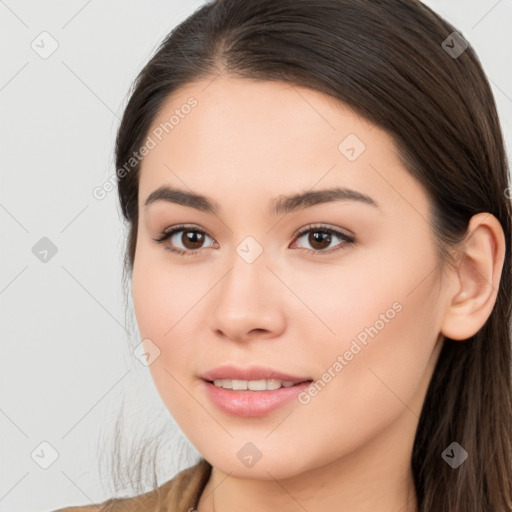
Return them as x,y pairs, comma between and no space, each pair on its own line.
478,277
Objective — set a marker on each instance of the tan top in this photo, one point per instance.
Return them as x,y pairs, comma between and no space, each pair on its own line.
190,482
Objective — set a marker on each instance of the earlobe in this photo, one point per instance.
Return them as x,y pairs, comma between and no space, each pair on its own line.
478,277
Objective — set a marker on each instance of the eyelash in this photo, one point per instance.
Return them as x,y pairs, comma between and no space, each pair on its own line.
347,240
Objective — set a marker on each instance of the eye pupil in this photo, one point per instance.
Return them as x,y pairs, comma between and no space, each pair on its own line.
195,237
314,238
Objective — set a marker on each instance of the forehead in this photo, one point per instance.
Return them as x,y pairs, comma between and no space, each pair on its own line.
228,136
244,114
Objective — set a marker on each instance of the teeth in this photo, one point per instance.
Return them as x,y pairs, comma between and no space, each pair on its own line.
253,385
238,384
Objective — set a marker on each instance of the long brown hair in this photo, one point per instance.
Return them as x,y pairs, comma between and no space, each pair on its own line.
389,61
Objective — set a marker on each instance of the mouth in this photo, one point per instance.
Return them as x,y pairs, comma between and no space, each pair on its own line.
251,402
256,376
255,385
251,392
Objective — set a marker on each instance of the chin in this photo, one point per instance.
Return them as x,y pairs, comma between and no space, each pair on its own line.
279,461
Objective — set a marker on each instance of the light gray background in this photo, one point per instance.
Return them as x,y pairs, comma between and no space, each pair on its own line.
66,363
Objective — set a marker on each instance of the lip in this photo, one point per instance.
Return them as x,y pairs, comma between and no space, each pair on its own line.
252,403
250,373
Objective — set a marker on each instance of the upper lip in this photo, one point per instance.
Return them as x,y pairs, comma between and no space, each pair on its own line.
249,373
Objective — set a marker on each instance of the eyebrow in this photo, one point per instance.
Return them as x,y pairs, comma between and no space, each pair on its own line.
281,204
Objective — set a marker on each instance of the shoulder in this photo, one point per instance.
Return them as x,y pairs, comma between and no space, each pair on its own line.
180,493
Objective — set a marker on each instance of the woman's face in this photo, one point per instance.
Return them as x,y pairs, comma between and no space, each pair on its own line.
353,305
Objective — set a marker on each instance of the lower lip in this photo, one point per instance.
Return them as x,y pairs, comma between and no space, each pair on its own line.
252,403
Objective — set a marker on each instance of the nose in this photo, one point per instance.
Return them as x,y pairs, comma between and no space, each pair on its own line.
248,302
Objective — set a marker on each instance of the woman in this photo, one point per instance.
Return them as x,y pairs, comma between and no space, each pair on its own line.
319,254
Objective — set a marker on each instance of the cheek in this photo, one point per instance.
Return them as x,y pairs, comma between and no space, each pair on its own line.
168,301
161,299
384,316
161,293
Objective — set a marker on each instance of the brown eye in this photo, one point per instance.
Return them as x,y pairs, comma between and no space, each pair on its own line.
192,239
189,241
183,240
320,237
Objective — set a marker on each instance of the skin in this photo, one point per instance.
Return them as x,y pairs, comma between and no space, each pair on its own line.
349,448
